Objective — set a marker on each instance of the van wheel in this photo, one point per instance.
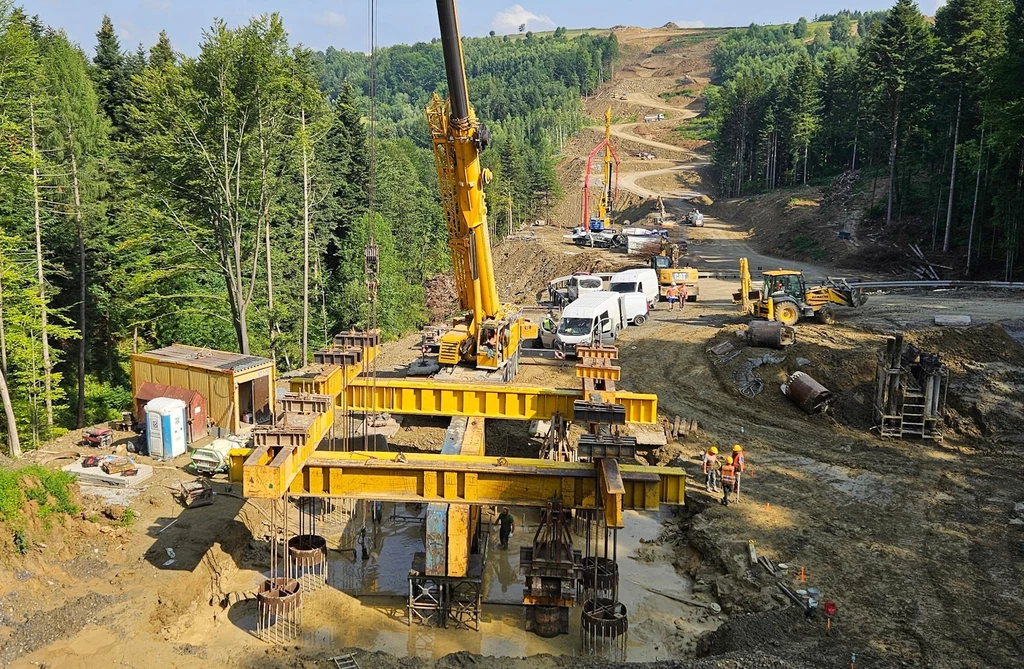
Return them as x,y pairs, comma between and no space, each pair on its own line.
640,320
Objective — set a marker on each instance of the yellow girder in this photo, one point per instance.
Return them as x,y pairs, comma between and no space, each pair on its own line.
332,379
280,454
464,479
484,400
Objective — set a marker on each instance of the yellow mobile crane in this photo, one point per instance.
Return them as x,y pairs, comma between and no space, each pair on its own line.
489,333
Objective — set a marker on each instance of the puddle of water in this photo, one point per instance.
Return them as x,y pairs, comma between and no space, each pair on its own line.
378,619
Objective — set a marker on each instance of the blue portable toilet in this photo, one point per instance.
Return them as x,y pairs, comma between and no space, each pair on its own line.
165,428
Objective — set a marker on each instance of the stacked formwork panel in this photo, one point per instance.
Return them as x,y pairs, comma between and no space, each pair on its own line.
910,392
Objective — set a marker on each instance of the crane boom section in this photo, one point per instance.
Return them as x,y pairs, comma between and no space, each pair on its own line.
489,333
458,140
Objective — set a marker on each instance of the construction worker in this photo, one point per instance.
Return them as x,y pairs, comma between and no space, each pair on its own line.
683,294
672,294
728,480
549,323
506,526
709,465
738,461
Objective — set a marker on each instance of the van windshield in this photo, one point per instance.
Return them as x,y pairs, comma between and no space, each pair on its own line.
627,287
590,283
574,327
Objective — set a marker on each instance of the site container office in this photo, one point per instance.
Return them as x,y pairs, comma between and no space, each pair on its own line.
238,388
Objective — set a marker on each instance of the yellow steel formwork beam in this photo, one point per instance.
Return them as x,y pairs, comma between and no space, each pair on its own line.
333,379
280,453
484,400
462,479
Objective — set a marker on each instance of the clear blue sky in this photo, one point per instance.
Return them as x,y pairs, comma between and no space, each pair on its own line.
319,24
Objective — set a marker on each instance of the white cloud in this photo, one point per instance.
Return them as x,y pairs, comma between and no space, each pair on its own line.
509,20
158,5
330,19
690,24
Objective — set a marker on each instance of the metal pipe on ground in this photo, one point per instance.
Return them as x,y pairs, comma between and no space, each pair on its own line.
770,334
807,393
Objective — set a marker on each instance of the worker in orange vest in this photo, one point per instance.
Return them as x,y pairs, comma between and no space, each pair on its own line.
739,462
728,480
672,294
709,465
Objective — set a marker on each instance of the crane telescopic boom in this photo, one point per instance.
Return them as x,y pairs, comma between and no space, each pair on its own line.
489,332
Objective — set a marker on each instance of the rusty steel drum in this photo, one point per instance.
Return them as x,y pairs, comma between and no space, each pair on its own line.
547,621
807,393
606,576
279,596
770,334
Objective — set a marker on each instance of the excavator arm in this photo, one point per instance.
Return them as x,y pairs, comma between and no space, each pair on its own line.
489,332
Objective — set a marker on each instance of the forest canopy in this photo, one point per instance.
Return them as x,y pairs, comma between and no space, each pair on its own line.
223,200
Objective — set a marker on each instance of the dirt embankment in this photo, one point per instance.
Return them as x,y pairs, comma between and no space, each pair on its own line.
877,525
833,225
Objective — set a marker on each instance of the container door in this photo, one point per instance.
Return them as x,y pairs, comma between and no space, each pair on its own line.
166,445
176,446
154,434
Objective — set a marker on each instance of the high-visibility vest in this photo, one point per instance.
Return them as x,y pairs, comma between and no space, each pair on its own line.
737,460
728,474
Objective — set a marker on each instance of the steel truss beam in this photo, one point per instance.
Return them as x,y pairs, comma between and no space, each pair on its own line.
463,479
484,400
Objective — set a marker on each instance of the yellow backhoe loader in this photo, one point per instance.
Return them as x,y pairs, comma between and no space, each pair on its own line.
785,296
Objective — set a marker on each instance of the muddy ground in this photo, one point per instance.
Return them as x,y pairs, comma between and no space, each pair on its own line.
920,545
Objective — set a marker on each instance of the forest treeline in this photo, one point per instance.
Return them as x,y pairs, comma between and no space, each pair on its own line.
223,200
928,110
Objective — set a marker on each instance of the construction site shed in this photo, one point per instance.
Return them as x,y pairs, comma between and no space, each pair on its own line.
195,406
237,388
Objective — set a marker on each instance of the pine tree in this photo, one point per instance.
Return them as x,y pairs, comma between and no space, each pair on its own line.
802,109
109,75
892,59
78,140
972,34
800,30
839,31
161,54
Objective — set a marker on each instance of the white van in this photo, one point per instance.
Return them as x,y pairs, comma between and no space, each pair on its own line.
637,281
595,317
634,308
566,289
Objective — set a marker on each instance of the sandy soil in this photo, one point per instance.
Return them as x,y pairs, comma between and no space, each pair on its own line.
918,544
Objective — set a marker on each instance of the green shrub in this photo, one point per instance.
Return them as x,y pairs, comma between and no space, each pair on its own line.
128,518
49,488
105,402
